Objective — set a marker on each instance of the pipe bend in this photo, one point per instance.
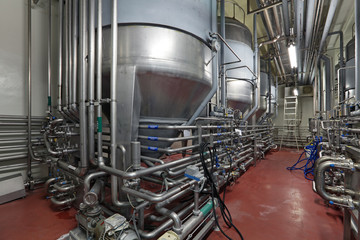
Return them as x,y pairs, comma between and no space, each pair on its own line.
90,177
66,201
320,183
65,188
172,215
48,182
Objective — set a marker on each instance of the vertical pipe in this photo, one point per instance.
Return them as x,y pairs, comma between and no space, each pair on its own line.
319,89
357,51
91,85
222,54
70,63
327,85
99,77
66,57
74,52
82,106
29,173
269,87
285,9
340,76
113,110
49,60
61,5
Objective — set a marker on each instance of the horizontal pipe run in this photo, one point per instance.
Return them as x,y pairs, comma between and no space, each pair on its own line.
155,198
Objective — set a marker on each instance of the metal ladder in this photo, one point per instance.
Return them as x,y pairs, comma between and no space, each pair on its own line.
291,118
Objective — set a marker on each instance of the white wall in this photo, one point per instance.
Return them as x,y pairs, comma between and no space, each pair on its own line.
13,62
306,107
13,57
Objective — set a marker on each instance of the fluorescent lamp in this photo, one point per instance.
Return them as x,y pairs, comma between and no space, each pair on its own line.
296,92
292,56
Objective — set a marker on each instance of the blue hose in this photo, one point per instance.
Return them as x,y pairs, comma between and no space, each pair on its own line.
307,164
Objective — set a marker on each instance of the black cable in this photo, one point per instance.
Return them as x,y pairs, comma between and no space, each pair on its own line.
225,213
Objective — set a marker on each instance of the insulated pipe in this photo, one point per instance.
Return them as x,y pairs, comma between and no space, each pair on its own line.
61,6
277,21
29,173
65,33
299,34
82,63
327,82
113,109
329,18
74,45
70,64
357,51
285,11
49,59
310,13
319,88
222,54
342,64
214,69
99,78
256,70
91,84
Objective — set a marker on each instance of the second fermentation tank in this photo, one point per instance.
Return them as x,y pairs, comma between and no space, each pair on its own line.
239,79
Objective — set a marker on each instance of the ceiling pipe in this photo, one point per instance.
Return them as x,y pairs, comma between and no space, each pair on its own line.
310,14
277,21
285,11
299,35
271,36
329,19
311,64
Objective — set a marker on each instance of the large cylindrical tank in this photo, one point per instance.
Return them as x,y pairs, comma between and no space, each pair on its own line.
239,89
350,73
170,51
264,89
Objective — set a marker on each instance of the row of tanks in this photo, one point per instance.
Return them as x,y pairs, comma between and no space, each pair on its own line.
167,64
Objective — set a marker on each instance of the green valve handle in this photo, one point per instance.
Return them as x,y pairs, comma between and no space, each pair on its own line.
49,100
207,208
99,121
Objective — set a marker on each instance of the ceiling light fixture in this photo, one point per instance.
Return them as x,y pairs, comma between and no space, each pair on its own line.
292,55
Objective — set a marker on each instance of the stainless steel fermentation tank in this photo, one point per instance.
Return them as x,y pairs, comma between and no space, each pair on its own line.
162,71
239,78
350,72
265,80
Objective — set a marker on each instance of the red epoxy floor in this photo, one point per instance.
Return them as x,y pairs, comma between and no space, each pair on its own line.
268,202
34,218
